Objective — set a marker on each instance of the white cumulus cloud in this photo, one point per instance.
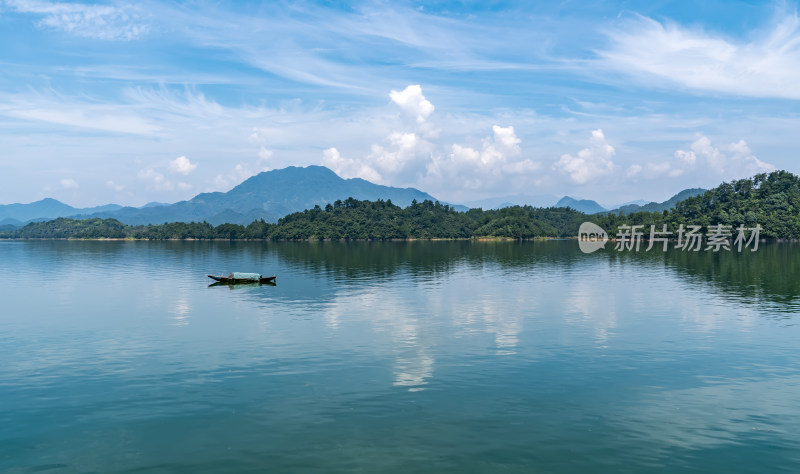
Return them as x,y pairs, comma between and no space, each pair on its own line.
182,165
402,158
69,183
589,163
264,154
113,185
653,171
498,162
155,180
412,102
414,155
733,161
239,173
348,167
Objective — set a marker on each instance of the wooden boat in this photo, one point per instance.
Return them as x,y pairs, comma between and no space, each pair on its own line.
242,285
243,278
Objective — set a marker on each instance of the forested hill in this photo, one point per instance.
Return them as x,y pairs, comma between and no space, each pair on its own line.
769,200
349,219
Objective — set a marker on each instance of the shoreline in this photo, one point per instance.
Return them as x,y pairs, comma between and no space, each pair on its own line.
410,239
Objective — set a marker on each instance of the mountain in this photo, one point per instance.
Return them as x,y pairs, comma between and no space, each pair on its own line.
8,224
660,206
269,196
587,206
47,208
638,202
538,200
104,208
11,222
274,194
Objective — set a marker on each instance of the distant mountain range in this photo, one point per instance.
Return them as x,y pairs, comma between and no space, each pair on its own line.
537,200
660,206
585,206
268,195
15,215
273,194
588,206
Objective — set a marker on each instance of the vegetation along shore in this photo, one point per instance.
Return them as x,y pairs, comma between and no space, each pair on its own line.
769,200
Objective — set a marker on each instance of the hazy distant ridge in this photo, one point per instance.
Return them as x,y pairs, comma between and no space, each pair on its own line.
47,208
274,194
586,206
660,206
268,195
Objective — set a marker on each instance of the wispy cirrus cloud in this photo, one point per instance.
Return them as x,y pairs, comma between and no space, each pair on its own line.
138,111
338,49
766,64
104,22
73,112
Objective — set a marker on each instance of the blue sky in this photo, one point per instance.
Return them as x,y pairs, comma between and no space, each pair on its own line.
614,101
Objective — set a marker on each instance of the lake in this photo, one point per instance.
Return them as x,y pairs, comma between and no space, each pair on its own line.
397,357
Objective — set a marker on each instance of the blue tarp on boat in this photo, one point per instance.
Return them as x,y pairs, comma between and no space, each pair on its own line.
246,276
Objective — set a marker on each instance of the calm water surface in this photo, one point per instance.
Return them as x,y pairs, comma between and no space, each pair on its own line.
397,357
